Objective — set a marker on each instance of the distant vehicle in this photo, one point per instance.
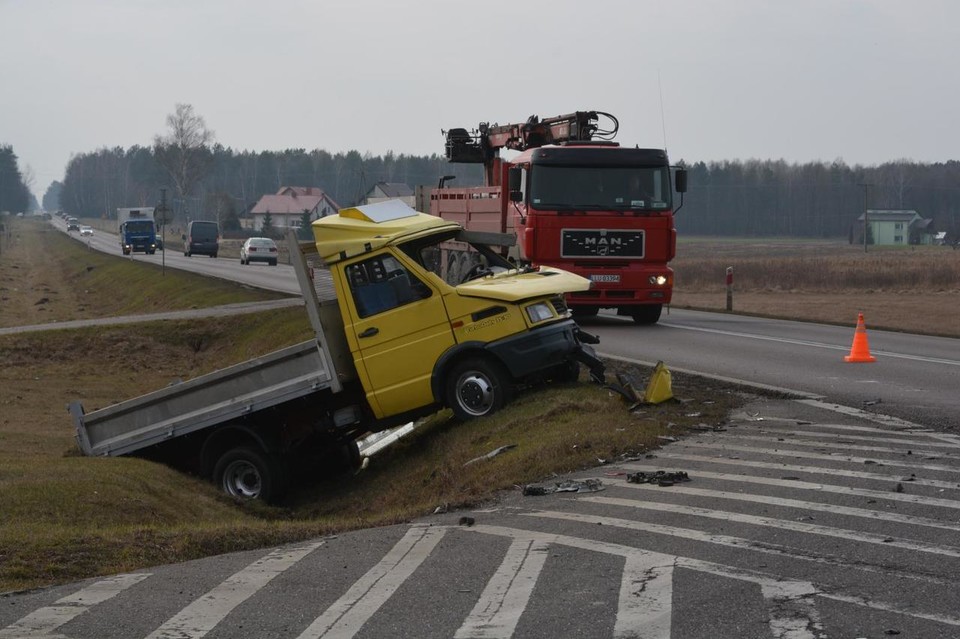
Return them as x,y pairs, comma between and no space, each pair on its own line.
259,249
86,230
137,230
73,224
202,238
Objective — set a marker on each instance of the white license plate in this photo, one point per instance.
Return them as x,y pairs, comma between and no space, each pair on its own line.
604,278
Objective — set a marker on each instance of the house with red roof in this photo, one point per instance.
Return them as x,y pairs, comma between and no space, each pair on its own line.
287,206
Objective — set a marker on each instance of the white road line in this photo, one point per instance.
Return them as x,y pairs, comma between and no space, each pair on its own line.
646,597
866,513
347,615
200,617
860,536
778,438
44,621
721,447
498,610
879,418
806,485
913,443
800,342
791,603
876,434
793,613
816,470
739,543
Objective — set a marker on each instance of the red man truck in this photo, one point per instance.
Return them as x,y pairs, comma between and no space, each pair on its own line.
575,200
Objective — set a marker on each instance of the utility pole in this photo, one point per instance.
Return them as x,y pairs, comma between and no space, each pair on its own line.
866,192
163,210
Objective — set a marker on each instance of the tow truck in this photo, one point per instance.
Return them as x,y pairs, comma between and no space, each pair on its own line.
575,200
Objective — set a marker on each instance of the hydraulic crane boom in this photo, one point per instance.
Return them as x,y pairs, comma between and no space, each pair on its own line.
483,145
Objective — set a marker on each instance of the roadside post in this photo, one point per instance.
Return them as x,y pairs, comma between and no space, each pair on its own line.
729,288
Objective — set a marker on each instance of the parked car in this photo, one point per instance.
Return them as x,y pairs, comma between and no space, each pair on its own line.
259,249
86,230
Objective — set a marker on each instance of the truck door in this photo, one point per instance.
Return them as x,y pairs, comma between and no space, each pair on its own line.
399,328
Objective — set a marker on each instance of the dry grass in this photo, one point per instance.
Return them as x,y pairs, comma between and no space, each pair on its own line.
912,289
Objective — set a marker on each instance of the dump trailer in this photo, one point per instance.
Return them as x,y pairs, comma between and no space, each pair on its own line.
392,342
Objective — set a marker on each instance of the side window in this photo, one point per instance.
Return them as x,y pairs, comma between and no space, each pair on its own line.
382,283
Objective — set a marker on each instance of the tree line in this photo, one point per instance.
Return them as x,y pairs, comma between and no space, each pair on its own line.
15,196
207,180
769,198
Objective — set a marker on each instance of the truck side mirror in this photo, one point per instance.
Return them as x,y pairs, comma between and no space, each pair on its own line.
515,179
681,180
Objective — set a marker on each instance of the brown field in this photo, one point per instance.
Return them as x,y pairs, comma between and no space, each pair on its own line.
910,289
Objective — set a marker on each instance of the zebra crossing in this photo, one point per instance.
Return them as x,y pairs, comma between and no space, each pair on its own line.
789,529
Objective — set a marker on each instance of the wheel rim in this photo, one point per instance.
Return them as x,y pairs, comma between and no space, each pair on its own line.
475,393
242,479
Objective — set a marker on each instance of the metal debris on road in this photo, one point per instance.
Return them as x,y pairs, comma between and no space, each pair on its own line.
493,453
660,478
568,486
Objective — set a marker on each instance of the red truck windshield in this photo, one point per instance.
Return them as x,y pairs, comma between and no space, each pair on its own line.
600,188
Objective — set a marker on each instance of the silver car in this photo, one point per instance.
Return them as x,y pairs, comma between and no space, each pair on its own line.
259,249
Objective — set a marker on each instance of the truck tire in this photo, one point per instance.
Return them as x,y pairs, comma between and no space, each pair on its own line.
477,387
646,314
247,473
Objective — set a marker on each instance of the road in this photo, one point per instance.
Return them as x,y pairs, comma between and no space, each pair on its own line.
801,519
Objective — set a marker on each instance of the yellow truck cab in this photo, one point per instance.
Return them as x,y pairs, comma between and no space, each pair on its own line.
419,342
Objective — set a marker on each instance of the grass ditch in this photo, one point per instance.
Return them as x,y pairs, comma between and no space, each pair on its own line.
69,517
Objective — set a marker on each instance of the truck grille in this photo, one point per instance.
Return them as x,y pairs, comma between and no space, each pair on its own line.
601,243
559,305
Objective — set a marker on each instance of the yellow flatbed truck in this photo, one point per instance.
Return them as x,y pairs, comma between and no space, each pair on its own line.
394,341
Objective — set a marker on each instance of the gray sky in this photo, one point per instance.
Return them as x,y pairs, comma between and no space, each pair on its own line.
802,80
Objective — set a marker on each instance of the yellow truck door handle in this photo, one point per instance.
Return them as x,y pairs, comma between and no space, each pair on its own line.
370,332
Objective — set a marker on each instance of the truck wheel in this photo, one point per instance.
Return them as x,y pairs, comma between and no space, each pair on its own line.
477,387
647,314
249,474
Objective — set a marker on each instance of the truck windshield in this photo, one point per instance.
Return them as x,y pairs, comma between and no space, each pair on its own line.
600,188
140,226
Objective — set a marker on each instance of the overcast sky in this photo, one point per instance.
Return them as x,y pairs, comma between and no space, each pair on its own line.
866,81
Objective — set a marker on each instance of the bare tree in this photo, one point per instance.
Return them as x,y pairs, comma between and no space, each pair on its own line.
185,151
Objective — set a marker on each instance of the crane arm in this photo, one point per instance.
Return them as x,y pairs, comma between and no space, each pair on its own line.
484,144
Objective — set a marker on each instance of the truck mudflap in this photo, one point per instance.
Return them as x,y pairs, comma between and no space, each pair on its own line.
547,347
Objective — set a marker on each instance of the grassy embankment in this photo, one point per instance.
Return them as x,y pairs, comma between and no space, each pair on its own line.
67,517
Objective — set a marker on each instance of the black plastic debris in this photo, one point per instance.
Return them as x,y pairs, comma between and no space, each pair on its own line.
660,478
467,521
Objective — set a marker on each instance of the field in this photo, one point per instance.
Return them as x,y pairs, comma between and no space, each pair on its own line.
910,289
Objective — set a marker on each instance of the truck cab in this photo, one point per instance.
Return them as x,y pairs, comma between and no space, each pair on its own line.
418,341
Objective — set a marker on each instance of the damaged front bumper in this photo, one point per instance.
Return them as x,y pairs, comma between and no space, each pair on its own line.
547,347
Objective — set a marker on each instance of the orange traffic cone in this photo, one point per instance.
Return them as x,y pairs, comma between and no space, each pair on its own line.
860,351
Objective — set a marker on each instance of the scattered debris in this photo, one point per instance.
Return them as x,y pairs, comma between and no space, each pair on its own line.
439,510
660,477
790,478
899,488
493,453
568,486
467,521
42,300
667,438
870,462
872,402
912,477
